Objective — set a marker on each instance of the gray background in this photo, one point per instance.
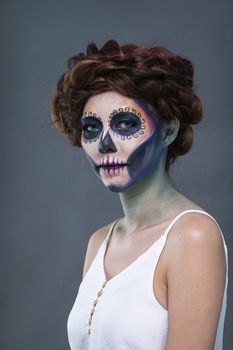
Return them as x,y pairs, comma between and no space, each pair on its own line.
51,201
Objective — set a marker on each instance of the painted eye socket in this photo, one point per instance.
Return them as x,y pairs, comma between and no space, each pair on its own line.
125,123
91,127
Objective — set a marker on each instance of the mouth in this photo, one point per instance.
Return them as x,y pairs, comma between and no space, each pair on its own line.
112,169
112,166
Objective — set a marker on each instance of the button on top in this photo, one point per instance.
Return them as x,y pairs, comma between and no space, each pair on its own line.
99,293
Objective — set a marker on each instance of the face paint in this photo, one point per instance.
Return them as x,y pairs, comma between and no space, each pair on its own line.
125,123
142,162
123,148
92,127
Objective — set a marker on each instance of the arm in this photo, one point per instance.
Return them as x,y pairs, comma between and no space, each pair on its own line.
196,280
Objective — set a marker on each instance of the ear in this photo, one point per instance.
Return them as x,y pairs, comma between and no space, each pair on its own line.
170,131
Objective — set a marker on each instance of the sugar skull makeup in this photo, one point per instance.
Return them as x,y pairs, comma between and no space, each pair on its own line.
124,123
120,139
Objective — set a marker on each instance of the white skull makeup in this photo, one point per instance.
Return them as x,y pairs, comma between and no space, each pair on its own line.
125,123
120,139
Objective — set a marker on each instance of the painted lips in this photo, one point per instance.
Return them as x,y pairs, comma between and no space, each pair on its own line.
115,169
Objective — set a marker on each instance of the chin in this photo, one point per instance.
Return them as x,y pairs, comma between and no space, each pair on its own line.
120,187
116,188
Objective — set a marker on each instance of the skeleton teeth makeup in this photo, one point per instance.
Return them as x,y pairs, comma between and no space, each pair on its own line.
120,139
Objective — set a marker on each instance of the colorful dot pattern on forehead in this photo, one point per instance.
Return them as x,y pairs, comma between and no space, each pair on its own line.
125,123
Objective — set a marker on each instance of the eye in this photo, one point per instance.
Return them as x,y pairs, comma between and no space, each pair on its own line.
125,124
90,127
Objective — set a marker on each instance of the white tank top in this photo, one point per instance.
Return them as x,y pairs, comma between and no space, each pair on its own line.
125,313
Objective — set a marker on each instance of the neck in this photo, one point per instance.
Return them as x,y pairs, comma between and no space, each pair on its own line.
149,202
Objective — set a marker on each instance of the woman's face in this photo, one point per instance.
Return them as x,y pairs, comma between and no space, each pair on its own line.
120,139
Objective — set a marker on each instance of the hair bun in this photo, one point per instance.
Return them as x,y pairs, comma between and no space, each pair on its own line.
111,48
92,49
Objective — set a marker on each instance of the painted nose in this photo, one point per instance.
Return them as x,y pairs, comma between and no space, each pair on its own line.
106,144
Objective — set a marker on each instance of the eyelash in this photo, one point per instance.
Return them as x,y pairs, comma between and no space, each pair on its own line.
85,128
130,122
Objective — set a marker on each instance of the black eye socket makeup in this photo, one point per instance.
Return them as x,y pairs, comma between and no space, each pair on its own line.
124,122
91,127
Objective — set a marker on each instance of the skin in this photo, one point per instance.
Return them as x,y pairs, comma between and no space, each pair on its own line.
193,258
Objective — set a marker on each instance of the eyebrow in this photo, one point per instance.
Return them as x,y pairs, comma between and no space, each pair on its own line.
124,109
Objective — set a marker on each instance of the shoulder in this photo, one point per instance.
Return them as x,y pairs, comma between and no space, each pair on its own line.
93,245
98,236
194,229
195,247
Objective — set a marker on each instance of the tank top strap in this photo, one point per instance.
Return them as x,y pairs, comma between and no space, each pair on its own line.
110,230
156,248
169,226
163,237
190,211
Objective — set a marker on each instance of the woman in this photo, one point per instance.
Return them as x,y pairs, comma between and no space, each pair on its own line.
157,277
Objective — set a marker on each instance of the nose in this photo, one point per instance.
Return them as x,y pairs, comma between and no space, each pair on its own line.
106,144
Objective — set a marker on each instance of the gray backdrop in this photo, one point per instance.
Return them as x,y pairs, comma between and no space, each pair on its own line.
48,190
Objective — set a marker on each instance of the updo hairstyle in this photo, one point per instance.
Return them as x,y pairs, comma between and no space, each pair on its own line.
152,74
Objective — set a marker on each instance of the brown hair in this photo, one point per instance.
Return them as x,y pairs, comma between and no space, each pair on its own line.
152,74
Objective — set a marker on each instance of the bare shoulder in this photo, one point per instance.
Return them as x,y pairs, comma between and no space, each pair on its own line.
196,234
196,228
93,246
